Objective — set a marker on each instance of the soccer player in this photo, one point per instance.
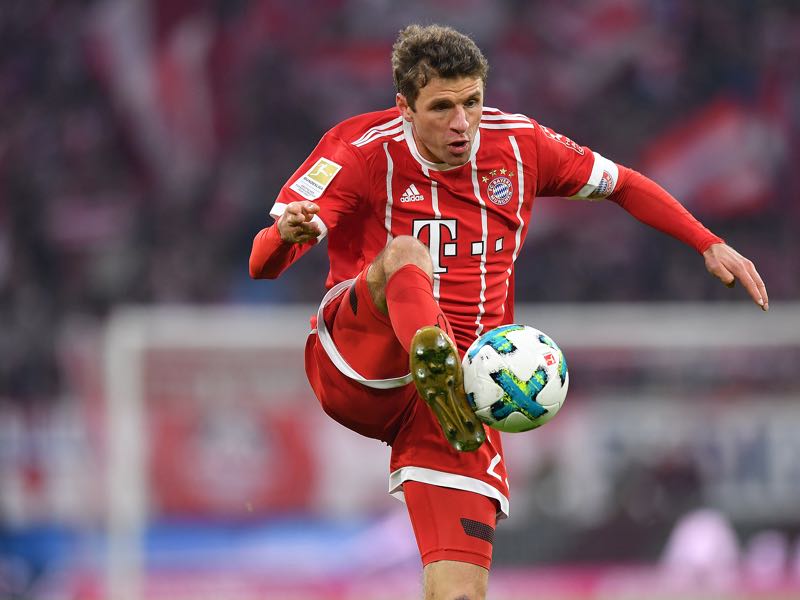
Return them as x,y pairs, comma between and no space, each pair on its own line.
426,206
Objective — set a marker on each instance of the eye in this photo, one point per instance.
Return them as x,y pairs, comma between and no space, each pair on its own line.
471,103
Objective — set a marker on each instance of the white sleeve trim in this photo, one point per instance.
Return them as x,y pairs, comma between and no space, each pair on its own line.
602,180
448,480
280,207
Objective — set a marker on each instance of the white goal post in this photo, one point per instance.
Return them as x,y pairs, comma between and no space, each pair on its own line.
134,331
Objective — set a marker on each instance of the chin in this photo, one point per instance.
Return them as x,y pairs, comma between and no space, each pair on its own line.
457,159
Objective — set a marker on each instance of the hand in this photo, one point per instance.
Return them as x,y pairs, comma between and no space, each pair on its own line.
727,265
295,224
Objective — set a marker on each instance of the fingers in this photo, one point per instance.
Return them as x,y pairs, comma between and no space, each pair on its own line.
295,224
309,209
762,289
304,238
756,288
308,230
718,270
746,273
300,212
301,232
750,286
729,266
725,276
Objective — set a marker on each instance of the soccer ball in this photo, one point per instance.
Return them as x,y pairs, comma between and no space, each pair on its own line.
515,377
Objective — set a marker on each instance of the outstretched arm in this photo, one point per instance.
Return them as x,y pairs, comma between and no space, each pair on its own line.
651,204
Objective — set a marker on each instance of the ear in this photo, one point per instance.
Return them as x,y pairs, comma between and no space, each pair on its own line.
402,105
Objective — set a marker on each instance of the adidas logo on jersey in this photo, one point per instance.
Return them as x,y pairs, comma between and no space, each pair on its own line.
412,195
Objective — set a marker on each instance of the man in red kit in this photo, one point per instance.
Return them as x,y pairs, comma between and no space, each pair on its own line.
426,206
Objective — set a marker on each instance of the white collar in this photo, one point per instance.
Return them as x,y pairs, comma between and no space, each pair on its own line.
408,134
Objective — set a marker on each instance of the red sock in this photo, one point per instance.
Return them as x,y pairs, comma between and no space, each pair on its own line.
409,297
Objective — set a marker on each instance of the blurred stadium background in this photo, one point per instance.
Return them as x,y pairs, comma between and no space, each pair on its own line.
157,436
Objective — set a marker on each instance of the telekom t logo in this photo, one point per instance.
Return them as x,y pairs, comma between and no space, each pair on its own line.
437,248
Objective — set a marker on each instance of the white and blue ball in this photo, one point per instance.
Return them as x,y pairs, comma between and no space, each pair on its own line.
515,377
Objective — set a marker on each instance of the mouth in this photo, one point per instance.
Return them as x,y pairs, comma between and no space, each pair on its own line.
458,147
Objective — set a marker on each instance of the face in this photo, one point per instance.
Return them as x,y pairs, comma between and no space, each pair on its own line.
446,118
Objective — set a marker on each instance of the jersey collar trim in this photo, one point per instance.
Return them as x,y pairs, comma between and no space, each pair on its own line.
408,134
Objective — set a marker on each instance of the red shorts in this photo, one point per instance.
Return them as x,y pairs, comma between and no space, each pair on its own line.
451,524
399,417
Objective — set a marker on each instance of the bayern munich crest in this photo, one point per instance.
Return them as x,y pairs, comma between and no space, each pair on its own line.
500,190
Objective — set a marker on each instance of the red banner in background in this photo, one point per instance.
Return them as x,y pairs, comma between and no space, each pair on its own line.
225,441
719,161
223,464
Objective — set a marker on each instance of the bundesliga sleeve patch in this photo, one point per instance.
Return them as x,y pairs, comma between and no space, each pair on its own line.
315,181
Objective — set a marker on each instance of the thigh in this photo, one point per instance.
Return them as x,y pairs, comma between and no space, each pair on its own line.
451,525
365,339
364,335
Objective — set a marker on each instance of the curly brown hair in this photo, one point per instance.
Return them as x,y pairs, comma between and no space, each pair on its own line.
421,53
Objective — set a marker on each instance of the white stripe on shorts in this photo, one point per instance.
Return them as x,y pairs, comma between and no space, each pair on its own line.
333,352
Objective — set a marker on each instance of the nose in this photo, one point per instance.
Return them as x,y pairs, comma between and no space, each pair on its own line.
459,121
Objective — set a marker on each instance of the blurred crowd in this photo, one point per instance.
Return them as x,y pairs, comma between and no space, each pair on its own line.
143,143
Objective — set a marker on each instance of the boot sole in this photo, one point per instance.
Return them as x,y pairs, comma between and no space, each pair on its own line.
436,369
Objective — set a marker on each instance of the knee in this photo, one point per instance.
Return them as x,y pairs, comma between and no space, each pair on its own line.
458,592
469,595
450,580
404,250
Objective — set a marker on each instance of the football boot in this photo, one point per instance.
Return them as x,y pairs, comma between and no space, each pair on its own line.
436,370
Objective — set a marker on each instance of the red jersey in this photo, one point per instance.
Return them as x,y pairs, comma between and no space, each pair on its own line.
372,184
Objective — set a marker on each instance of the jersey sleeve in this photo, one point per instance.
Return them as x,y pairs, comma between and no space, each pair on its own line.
653,205
571,170
334,176
270,255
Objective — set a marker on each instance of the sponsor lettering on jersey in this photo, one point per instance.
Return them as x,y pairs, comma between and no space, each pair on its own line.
412,195
562,139
314,182
436,244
